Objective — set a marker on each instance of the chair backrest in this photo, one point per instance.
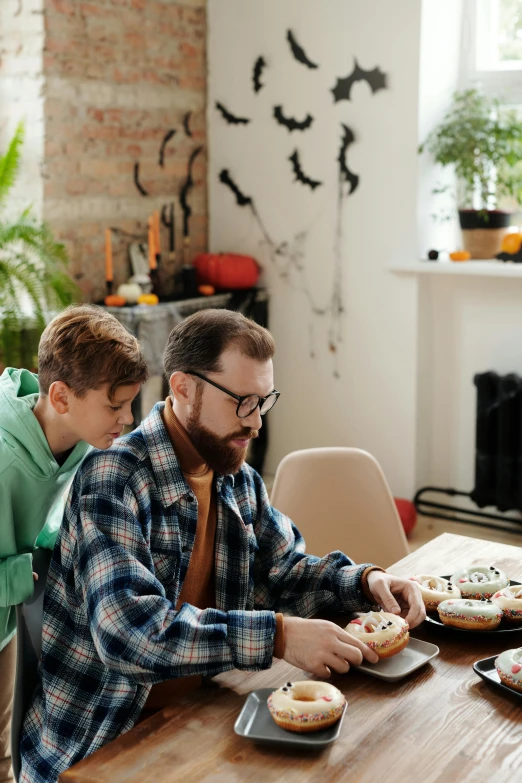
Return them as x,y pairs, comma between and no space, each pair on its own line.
338,498
29,621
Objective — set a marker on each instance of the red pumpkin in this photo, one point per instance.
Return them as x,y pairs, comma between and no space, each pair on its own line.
226,271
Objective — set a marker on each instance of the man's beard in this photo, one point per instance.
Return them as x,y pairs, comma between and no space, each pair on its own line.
218,453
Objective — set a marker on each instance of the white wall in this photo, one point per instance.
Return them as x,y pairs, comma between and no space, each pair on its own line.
21,96
466,325
373,403
441,31
476,325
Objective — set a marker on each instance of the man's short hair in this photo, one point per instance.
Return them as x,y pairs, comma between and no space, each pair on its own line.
197,343
87,347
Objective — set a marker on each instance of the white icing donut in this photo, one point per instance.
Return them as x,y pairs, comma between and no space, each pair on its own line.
510,601
509,668
306,705
384,632
470,614
435,589
479,581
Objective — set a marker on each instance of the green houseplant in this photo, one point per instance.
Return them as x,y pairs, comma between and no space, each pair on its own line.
33,276
483,142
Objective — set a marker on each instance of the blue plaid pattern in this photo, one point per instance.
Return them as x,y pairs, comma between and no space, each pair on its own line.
110,627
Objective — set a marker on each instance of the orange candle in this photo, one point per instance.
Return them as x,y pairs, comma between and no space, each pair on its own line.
157,240
109,276
152,245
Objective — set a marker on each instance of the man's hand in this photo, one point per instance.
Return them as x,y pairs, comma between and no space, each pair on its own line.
320,647
35,576
398,596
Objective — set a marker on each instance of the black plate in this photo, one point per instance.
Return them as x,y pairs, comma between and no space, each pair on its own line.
502,628
486,669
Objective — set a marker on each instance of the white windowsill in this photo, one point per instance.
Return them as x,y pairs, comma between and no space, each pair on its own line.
481,268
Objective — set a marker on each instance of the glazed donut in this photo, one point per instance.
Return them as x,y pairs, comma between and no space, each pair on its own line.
384,632
469,614
509,668
306,705
479,581
435,589
510,601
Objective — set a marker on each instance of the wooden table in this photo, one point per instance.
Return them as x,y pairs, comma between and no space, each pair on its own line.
441,724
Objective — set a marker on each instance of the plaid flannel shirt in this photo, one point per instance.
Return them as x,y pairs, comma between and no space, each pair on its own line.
110,628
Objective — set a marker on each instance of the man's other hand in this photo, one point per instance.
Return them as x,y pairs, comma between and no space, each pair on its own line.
398,596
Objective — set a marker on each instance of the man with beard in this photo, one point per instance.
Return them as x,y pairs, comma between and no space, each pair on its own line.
171,562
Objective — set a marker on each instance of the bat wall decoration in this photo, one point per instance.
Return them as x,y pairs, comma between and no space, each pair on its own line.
229,117
300,176
259,67
137,180
291,123
346,174
185,190
164,143
227,180
375,79
298,51
186,127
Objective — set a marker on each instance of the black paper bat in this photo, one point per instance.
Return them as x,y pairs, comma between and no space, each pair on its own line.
227,180
231,118
164,143
137,179
290,122
346,174
300,176
298,51
259,66
185,190
186,128
375,79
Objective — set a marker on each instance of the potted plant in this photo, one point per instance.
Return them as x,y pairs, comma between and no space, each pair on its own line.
33,277
483,141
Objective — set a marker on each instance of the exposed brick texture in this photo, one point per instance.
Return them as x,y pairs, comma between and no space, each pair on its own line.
117,75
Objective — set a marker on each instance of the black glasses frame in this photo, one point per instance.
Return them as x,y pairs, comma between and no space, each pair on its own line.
240,399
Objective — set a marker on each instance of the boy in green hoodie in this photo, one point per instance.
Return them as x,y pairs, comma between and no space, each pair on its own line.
90,370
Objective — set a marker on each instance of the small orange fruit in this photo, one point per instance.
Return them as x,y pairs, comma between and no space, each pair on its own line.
112,300
148,299
511,243
460,255
206,290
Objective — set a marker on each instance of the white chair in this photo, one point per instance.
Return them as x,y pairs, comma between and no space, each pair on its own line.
338,498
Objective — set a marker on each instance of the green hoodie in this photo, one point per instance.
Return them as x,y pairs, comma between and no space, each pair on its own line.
32,491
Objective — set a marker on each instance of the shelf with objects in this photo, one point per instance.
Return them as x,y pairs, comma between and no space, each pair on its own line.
212,280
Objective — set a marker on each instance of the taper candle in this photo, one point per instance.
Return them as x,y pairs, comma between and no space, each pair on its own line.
152,244
157,239
109,275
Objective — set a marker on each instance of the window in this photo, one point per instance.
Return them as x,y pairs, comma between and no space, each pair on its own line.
492,47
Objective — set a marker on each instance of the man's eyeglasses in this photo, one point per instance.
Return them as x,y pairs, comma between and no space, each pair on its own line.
248,402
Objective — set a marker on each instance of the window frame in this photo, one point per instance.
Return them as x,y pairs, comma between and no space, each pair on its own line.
504,83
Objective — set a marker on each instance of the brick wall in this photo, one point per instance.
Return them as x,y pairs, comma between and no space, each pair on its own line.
118,75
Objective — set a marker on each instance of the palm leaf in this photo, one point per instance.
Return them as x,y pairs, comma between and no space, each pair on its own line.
33,272
10,162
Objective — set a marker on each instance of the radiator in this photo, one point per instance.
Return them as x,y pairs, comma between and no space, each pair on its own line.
498,454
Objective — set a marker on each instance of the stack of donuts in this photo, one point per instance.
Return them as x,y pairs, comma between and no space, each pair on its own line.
478,598
474,598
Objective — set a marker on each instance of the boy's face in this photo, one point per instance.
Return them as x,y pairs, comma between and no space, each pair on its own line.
99,420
